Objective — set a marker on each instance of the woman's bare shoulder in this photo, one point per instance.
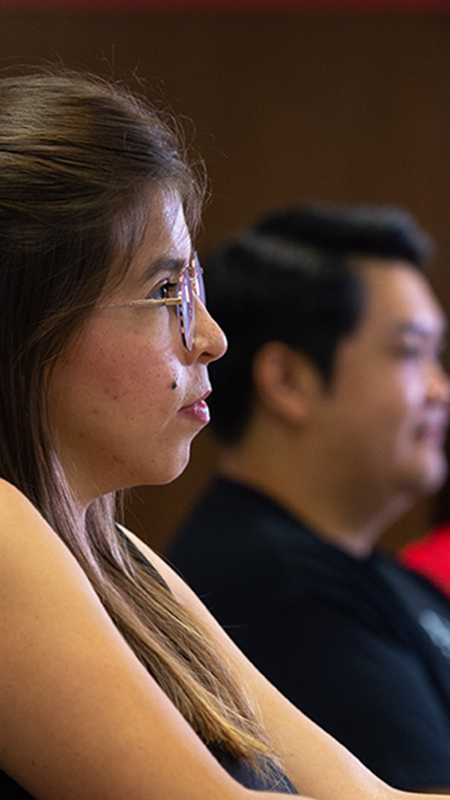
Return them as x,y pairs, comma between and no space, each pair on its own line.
11,498
31,553
17,512
77,708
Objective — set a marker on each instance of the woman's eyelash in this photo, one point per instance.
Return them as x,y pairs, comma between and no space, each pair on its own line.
167,289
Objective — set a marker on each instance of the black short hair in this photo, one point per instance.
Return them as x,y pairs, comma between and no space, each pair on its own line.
292,277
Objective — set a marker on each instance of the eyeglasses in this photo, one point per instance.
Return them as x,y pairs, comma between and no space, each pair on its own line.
189,286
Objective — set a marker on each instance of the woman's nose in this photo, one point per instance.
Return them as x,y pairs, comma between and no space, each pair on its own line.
210,342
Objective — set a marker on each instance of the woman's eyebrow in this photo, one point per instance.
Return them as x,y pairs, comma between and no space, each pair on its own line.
173,265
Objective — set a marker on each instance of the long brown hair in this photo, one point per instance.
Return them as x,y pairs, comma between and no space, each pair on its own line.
77,158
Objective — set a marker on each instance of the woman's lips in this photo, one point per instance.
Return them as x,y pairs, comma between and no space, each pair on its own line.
198,411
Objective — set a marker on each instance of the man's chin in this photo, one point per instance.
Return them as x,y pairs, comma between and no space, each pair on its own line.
433,477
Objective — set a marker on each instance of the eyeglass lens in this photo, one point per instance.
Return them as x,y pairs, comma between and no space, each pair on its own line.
199,284
191,284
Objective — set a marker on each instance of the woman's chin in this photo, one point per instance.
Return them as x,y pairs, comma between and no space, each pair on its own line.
172,470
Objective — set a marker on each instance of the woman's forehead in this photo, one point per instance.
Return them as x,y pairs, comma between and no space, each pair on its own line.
164,244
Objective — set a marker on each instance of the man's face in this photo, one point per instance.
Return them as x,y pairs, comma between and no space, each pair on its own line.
384,418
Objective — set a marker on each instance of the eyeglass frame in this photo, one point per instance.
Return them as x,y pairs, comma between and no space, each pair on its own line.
195,288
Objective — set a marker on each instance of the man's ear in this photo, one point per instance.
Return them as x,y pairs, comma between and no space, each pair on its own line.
286,381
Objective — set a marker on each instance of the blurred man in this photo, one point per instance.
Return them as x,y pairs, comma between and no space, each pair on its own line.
331,408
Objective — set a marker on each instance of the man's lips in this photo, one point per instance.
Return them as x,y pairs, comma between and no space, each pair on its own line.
433,430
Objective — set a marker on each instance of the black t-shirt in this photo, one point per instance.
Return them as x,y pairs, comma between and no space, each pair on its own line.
361,646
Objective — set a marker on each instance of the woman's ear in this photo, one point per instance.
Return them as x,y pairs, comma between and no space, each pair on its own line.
286,382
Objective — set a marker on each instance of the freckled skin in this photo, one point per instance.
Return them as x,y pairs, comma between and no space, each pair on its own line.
115,418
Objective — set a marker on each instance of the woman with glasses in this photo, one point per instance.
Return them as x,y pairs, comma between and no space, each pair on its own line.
114,680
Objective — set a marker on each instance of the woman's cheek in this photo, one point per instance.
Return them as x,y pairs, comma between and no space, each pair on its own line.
138,378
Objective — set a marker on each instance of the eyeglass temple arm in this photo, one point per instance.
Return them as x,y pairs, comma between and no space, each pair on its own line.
167,301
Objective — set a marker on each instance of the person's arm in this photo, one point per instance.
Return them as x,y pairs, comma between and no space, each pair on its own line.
80,717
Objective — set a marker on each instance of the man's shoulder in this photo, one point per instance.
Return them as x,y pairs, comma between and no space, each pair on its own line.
231,516
234,526
236,542
423,603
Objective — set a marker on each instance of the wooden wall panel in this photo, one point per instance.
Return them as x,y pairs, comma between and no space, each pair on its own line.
345,108
208,6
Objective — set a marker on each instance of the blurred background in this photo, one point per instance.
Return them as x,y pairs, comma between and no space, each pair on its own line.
286,101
